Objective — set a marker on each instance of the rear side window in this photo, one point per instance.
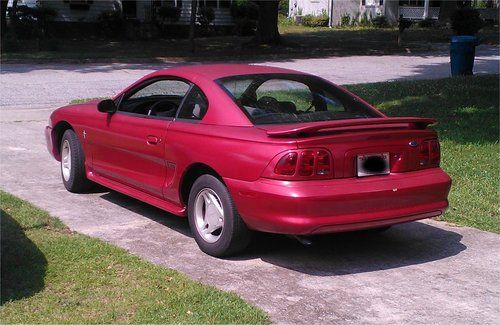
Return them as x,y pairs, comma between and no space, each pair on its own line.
195,105
290,98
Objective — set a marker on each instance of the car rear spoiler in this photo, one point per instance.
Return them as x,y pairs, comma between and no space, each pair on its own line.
417,123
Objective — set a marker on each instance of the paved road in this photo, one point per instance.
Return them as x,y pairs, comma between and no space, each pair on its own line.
418,273
41,86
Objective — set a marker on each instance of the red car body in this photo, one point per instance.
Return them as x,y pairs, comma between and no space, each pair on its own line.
155,160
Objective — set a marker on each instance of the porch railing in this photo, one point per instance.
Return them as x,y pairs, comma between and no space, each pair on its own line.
417,13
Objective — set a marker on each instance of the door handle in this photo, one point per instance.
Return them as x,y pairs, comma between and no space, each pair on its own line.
151,139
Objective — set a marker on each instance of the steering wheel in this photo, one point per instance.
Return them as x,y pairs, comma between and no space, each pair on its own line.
153,110
269,103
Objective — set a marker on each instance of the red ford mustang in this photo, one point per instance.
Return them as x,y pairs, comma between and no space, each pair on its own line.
239,148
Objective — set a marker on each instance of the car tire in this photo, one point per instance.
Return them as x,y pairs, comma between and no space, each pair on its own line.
207,198
73,164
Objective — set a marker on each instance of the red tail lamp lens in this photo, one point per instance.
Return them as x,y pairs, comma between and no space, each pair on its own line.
323,166
434,153
303,164
306,164
429,154
287,164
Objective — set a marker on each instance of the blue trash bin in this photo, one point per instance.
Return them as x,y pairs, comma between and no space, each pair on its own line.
462,53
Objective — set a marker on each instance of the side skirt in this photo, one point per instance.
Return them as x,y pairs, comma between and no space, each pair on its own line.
141,196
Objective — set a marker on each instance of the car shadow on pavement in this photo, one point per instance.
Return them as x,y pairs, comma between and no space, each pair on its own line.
155,214
333,254
358,252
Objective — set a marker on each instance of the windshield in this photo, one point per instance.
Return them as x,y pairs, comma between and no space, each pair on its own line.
289,98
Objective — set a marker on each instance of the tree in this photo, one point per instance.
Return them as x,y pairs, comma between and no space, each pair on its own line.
446,10
267,24
192,24
4,16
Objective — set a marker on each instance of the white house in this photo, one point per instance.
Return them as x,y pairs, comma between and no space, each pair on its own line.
141,10
391,9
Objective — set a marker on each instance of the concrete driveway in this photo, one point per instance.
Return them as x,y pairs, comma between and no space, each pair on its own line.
418,273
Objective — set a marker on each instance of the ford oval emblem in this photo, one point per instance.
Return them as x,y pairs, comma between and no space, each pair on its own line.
413,143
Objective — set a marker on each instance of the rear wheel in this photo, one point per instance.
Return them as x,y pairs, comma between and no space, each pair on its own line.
214,221
73,164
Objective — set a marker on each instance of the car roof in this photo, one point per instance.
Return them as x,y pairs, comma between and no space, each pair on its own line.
217,71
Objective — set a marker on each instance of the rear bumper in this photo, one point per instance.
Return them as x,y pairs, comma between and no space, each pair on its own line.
313,207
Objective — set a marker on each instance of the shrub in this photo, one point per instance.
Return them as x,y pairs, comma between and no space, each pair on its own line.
169,13
466,21
345,20
49,45
285,21
283,7
315,21
245,27
426,23
111,24
245,15
32,22
205,16
244,9
365,20
11,43
404,23
380,22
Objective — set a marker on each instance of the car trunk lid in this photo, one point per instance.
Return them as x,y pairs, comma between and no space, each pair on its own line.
400,138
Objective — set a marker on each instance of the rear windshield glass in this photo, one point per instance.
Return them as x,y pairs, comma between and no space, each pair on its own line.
289,98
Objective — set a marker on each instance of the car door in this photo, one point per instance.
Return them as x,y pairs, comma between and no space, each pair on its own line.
129,145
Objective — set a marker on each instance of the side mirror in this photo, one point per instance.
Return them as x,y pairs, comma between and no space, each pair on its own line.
106,106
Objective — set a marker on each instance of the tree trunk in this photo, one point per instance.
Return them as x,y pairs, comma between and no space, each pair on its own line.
267,25
4,16
446,9
192,24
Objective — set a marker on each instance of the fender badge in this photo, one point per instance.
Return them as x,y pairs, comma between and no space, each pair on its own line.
413,143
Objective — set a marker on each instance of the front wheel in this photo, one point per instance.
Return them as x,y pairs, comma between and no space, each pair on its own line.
214,221
73,164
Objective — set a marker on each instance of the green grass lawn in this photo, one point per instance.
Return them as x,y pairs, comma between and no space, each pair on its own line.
467,110
84,100
52,275
298,42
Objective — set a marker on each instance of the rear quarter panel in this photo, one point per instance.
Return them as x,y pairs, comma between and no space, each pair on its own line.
237,152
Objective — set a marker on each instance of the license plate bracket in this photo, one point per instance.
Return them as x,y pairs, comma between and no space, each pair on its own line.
371,164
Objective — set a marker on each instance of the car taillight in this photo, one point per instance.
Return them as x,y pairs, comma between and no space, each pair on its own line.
429,154
306,164
323,163
302,165
434,152
287,164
